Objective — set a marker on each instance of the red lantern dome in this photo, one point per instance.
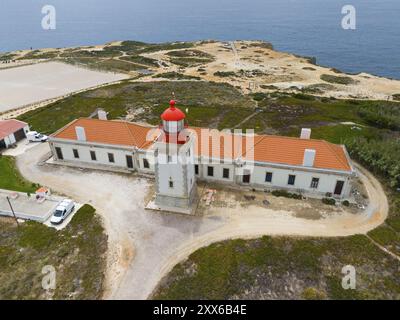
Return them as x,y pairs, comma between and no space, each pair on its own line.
173,113
173,123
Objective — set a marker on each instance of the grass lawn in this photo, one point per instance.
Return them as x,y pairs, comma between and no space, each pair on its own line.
11,179
77,253
284,268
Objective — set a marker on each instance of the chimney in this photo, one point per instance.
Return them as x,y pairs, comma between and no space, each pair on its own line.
309,157
80,133
305,133
102,115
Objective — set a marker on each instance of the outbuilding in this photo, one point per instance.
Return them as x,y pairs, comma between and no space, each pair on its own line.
12,131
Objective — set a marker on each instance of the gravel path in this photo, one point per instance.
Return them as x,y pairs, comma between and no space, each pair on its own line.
144,246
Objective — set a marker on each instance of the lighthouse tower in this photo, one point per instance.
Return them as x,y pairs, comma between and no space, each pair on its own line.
174,164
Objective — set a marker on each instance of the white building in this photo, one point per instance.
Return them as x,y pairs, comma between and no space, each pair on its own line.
265,162
12,131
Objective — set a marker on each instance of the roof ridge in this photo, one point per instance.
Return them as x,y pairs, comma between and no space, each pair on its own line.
119,120
330,146
131,135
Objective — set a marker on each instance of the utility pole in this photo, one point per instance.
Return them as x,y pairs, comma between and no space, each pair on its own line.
12,210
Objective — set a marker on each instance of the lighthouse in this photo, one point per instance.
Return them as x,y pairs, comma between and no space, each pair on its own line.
174,163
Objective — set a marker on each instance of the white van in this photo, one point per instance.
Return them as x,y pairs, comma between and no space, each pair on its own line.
34,136
63,210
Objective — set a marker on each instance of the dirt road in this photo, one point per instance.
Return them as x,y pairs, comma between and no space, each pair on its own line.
144,245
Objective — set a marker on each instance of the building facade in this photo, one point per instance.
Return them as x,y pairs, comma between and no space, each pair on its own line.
263,162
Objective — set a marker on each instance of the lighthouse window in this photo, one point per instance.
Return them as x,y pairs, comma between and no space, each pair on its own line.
111,157
171,183
196,169
146,164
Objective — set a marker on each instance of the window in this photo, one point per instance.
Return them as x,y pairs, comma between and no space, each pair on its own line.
59,153
169,159
93,155
225,173
171,183
146,164
210,171
111,157
196,169
314,183
76,153
291,180
268,177
129,162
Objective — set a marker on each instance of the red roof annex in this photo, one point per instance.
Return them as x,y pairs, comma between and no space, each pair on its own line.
8,127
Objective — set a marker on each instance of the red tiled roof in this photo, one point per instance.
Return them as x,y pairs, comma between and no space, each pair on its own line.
260,148
108,132
8,127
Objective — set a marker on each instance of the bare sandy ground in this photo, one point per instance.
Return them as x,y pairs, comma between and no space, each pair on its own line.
41,81
282,70
144,245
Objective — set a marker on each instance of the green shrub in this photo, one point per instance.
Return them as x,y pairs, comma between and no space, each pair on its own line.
346,203
284,193
329,201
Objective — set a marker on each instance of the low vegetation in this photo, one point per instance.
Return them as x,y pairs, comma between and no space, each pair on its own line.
382,156
11,179
381,115
175,76
149,62
77,254
215,104
337,79
284,268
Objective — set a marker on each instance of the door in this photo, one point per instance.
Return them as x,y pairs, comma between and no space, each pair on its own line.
59,153
2,144
19,135
129,162
339,187
246,177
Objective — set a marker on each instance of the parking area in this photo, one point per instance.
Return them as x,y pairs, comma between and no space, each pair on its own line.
20,148
27,207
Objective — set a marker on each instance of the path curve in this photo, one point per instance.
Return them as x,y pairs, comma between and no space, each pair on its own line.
144,246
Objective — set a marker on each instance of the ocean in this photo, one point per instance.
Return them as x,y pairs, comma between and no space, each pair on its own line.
304,27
